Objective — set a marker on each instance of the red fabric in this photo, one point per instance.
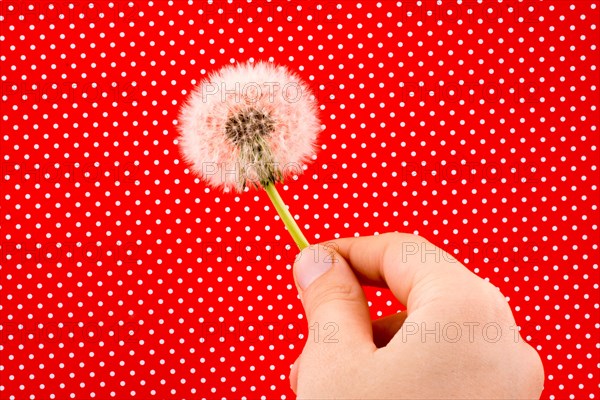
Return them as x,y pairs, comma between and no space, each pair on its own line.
123,275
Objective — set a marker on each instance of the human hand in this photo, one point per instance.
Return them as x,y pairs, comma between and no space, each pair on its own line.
457,338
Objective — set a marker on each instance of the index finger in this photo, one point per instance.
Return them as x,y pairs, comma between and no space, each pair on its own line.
416,271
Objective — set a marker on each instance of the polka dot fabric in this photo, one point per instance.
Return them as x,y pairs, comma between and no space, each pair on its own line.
474,124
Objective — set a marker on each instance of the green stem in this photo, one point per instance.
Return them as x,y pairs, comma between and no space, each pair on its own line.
286,217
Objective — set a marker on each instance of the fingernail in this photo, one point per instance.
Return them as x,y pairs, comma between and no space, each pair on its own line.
310,264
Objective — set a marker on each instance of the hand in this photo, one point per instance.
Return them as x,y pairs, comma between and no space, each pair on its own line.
456,339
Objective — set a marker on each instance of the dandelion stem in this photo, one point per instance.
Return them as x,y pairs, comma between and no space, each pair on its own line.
286,217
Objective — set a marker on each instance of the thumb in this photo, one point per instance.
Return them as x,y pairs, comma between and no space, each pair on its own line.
334,302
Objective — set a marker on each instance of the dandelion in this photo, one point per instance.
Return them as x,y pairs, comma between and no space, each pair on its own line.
250,125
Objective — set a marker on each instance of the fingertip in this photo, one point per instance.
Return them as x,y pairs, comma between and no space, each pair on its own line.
311,263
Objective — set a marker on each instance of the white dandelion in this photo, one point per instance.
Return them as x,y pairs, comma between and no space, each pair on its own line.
250,125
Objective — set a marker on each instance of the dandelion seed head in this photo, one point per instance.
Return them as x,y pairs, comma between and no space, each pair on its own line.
248,125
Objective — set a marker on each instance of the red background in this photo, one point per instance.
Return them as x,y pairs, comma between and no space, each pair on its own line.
473,125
